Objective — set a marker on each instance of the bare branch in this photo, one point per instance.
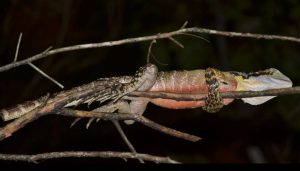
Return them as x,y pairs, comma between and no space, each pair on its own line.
124,116
229,95
17,49
149,50
125,139
176,42
148,38
184,25
20,122
83,154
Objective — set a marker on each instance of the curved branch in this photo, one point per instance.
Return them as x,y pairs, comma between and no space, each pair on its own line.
146,38
83,154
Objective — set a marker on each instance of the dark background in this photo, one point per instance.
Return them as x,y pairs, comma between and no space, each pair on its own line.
239,133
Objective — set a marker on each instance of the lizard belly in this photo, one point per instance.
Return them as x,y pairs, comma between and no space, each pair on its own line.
173,104
187,82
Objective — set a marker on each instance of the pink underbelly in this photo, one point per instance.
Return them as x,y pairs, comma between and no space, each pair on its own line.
193,84
173,104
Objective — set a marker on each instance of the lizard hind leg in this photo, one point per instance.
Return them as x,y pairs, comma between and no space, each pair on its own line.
122,106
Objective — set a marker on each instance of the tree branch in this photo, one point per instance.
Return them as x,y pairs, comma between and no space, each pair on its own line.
83,154
124,116
168,35
52,108
20,122
229,95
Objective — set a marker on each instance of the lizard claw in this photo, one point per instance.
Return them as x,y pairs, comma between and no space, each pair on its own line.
74,122
89,123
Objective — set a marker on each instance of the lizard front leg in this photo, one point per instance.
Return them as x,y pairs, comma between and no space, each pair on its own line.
214,101
143,80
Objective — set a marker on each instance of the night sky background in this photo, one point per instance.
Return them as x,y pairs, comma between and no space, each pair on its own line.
239,133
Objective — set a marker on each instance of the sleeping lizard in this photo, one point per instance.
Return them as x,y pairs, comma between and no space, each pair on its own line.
209,82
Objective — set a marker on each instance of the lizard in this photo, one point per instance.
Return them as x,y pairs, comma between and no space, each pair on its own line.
209,82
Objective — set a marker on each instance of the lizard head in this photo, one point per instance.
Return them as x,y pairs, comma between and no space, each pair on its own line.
261,80
146,76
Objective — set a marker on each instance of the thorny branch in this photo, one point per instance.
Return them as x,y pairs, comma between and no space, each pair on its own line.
82,154
169,35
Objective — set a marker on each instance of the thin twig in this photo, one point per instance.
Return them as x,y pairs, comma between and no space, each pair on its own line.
184,25
176,42
229,95
17,49
83,154
148,38
45,75
33,66
125,139
149,50
195,35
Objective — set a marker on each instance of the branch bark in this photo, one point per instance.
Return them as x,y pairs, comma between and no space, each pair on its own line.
83,154
53,108
181,31
124,116
19,123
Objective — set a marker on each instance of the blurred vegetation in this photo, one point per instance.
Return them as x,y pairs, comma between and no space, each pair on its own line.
228,136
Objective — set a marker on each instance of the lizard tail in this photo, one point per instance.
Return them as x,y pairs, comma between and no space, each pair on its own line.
21,109
262,80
